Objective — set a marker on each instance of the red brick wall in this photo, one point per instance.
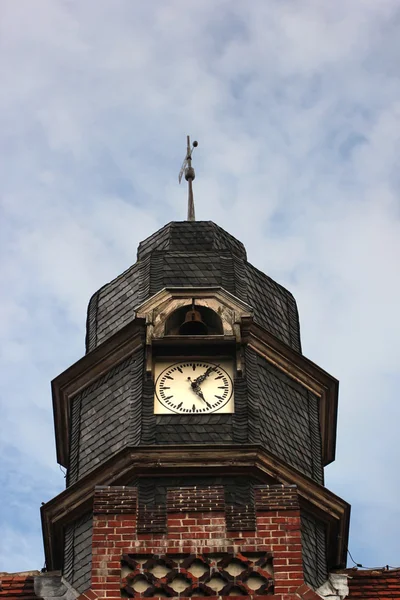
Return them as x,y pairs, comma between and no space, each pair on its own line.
196,526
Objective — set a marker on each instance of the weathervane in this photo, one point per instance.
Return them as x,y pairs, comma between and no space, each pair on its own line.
189,176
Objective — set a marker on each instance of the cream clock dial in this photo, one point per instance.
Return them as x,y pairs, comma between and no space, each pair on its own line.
193,387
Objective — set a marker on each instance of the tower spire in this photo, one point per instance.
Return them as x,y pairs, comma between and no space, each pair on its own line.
188,170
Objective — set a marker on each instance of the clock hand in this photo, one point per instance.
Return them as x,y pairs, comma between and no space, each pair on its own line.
200,394
197,390
201,378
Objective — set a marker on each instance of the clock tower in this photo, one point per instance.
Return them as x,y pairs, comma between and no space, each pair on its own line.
194,433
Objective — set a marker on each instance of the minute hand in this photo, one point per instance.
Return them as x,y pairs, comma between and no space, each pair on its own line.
204,376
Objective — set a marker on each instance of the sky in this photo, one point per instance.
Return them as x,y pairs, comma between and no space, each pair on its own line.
296,107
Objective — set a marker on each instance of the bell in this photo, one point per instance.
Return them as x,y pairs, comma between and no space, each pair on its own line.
193,324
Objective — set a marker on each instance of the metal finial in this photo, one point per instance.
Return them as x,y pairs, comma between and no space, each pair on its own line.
189,176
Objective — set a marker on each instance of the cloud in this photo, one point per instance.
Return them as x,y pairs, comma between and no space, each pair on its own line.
296,109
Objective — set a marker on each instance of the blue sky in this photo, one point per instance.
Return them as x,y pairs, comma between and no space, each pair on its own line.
297,112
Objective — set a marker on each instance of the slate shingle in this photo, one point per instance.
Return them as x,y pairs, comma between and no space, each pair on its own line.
198,254
78,552
283,416
313,538
106,416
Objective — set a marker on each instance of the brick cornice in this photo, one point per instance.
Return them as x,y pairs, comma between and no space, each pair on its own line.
194,460
303,370
84,372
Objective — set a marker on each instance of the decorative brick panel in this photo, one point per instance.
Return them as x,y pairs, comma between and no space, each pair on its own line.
196,499
115,500
264,560
276,497
240,517
151,519
186,575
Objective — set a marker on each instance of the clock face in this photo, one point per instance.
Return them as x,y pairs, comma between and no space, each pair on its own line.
193,387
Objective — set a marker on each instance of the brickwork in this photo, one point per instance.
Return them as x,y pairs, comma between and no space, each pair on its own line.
264,561
186,575
276,497
116,500
196,499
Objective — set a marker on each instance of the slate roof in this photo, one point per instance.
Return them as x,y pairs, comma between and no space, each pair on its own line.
373,584
198,236
198,254
17,586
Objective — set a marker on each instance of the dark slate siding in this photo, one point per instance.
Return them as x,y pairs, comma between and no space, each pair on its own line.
193,429
193,269
78,553
91,323
198,236
106,416
148,433
113,305
274,307
192,254
240,431
313,537
283,416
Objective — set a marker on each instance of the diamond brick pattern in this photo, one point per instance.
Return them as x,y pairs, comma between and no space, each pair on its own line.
185,575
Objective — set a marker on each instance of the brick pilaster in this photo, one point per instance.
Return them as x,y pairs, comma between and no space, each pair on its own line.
278,525
114,526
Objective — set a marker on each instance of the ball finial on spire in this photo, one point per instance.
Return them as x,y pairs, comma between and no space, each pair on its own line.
189,176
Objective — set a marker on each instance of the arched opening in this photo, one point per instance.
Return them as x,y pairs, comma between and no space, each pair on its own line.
192,319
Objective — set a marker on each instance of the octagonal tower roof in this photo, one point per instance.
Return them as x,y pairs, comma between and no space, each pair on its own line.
192,254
